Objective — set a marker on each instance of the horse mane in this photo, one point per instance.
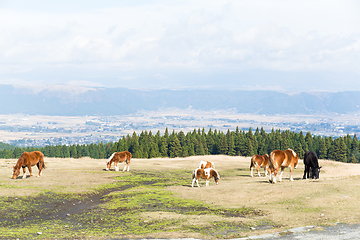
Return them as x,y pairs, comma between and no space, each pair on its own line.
112,155
294,154
19,162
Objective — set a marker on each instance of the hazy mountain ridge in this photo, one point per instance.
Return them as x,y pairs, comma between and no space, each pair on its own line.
69,101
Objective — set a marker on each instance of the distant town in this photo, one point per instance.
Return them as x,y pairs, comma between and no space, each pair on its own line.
28,131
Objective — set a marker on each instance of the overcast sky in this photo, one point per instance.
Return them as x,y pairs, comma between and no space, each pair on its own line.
291,45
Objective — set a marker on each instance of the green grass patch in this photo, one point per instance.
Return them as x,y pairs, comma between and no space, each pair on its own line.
118,209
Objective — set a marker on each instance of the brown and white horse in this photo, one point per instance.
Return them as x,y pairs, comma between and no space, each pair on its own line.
27,160
282,159
206,164
117,157
259,161
206,173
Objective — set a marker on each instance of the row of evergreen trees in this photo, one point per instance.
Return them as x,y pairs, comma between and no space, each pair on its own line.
200,142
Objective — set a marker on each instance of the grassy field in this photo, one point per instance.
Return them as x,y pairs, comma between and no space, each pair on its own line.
77,198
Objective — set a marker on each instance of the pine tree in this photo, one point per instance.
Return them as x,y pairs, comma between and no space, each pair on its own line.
223,145
309,141
340,155
164,148
174,148
322,149
231,150
299,150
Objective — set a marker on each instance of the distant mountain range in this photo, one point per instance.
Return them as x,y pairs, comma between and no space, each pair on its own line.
76,101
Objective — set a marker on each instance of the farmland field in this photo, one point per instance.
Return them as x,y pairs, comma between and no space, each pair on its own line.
77,198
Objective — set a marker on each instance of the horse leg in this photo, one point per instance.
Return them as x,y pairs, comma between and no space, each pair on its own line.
271,172
125,167
128,167
24,175
197,182
258,170
193,181
274,175
291,172
116,166
266,171
30,170
281,173
251,171
207,182
306,170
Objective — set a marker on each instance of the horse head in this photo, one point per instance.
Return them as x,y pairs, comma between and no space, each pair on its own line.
16,172
108,165
315,173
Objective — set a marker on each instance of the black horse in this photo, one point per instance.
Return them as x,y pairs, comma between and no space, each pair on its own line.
311,165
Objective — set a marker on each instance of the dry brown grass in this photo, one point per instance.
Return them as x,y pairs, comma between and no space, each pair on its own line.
333,198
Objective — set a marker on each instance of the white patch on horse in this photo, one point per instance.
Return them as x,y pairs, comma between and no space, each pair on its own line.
207,172
112,155
202,163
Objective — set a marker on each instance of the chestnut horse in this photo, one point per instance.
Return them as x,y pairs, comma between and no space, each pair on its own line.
29,159
117,157
206,173
282,159
259,161
206,164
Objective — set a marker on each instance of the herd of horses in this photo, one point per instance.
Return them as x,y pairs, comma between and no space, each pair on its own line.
277,160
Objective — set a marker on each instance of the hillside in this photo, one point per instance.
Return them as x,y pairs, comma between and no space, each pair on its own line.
80,101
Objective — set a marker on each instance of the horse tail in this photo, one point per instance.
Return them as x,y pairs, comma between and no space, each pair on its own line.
252,164
212,165
272,162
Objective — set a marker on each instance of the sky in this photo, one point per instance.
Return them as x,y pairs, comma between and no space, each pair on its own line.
284,45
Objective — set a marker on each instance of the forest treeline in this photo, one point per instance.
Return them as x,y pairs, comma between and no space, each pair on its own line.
199,142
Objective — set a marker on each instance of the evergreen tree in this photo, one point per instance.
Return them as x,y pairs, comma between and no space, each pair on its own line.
164,148
174,148
322,149
231,150
340,155
223,145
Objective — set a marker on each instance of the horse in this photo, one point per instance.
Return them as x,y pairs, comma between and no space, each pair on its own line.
206,173
282,159
259,161
206,164
117,157
29,159
311,164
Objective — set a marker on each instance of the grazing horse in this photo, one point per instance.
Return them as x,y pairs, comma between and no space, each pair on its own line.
282,159
311,164
206,173
259,161
206,164
27,160
117,157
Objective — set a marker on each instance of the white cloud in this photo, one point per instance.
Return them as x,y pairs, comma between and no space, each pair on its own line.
162,36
